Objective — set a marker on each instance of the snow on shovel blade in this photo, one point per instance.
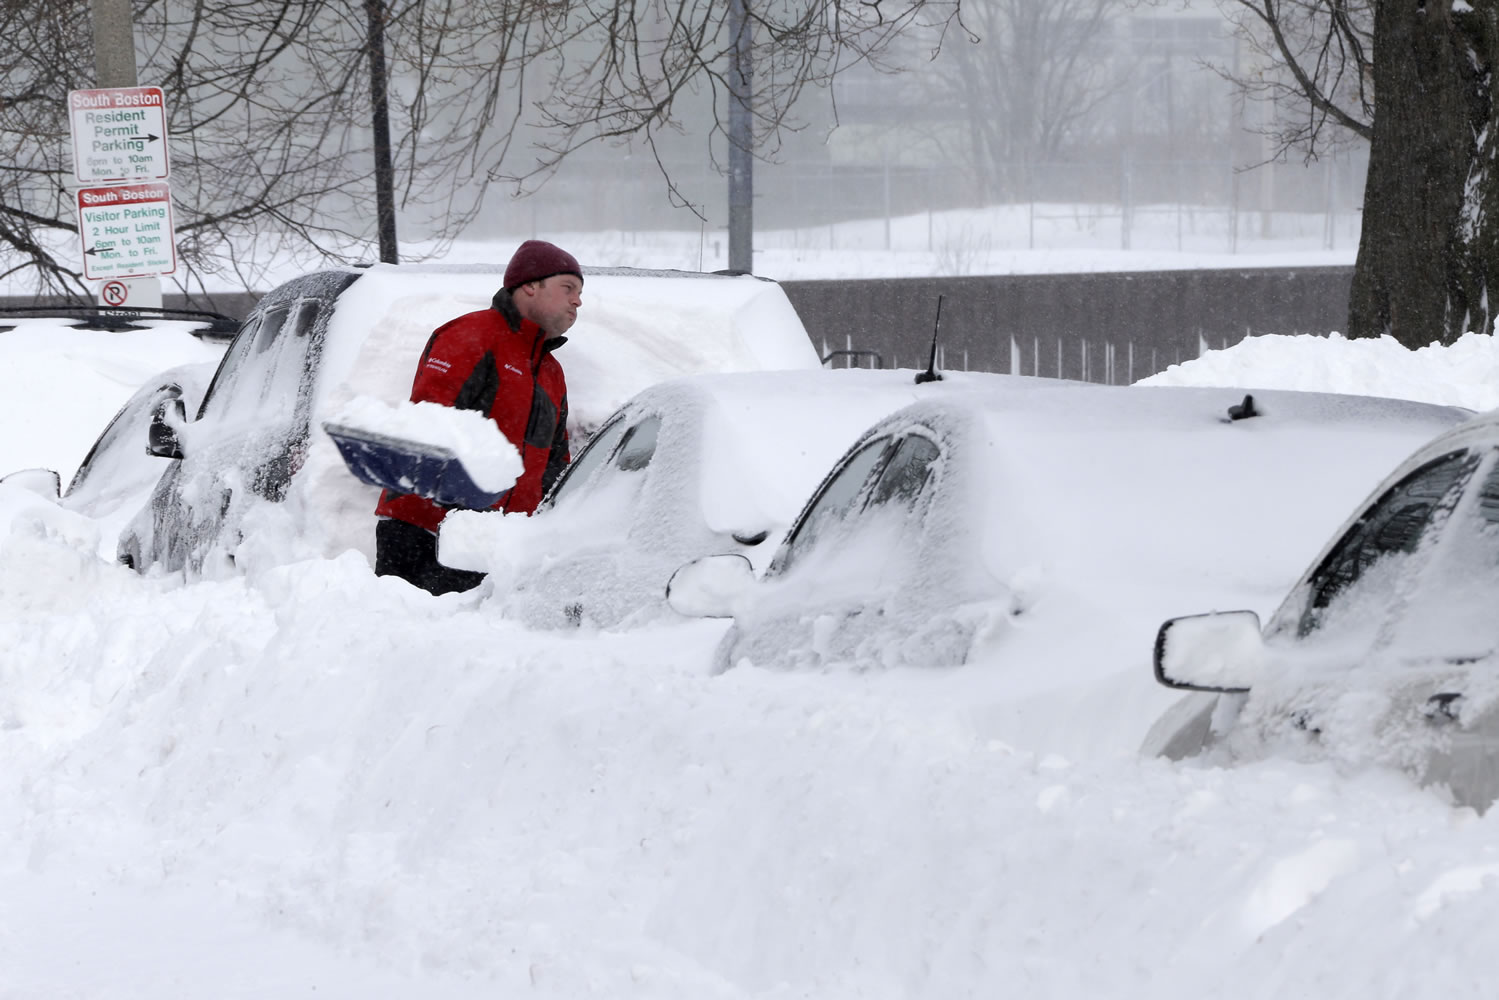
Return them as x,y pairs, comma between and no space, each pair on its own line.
409,467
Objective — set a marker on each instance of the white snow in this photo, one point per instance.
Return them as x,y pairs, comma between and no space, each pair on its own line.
731,454
61,385
307,781
631,330
490,460
1464,374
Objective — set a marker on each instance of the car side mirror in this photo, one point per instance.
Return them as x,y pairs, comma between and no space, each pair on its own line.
162,440
710,587
1222,652
45,483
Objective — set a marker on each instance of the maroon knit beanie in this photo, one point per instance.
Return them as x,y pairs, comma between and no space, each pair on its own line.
537,259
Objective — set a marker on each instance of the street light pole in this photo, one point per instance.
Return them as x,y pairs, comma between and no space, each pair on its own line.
385,199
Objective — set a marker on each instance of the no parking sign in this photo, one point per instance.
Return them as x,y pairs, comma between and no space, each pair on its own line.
114,293
138,293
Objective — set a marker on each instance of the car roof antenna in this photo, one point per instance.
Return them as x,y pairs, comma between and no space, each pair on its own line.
931,374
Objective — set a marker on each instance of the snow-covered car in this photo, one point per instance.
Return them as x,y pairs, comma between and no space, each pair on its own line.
116,370
120,470
1041,522
115,476
1386,652
66,377
691,467
117,469
253,475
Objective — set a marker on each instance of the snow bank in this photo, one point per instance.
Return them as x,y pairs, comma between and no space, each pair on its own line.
1464,374
312,782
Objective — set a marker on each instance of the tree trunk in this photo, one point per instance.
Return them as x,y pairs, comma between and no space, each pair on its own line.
1430,245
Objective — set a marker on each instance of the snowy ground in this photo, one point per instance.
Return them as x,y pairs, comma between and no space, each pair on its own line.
1003,239
312,782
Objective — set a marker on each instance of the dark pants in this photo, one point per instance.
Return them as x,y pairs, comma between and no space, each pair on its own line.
410,552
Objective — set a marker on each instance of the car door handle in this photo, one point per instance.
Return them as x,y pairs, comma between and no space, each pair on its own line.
1443,708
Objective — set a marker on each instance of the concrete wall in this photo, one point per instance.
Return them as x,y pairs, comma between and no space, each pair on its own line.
1113,328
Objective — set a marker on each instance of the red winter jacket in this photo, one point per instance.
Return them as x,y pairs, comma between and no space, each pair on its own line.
500,364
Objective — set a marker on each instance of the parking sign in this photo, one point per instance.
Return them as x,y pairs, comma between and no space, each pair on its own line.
119,134
127,231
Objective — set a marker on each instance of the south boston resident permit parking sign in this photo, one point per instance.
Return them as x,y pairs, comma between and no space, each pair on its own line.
119,134
127,231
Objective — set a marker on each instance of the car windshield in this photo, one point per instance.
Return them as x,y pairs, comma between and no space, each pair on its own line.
245,375
1450,613
906,474
261,394
834,500
621,444
1357,587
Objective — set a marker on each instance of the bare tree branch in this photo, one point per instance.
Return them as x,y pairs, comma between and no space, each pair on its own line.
1313,62
269,105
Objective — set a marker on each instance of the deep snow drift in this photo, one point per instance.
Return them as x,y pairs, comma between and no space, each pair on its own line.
1465,374
312,782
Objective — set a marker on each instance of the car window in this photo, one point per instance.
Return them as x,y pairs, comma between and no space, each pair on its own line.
263,391
599,449
118,462
639,445
834,500
232,360
1485,508
242,375
268,375
1367,561
907,473
305,319
1449,612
